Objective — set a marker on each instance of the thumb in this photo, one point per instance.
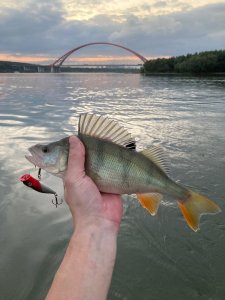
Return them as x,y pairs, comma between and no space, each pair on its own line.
75,169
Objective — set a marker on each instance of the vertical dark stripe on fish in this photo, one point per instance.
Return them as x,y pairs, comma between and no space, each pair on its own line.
124,171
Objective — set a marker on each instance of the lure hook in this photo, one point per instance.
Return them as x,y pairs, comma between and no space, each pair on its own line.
55,201
39,173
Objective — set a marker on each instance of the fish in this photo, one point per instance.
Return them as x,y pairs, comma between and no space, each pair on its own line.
114,164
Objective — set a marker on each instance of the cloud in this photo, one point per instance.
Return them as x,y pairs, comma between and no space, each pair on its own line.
173,34
160,4
27,30
40,27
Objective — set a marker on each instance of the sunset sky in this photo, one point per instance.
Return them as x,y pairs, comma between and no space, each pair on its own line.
41,31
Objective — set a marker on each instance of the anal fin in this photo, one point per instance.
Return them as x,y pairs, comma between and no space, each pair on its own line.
150,202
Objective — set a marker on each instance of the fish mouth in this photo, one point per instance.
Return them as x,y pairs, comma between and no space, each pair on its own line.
34,158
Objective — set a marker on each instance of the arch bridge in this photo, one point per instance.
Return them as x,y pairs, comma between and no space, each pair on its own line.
58,63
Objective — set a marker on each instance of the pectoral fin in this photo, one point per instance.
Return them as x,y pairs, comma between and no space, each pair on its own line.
150,202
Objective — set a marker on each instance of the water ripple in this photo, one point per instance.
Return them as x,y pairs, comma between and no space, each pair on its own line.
185,115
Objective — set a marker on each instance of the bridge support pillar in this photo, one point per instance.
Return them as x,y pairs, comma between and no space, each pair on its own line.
55,69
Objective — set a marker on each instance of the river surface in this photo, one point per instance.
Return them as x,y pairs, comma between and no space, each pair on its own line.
159,258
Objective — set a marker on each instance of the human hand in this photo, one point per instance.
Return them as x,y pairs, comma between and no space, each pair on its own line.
87,205
86,269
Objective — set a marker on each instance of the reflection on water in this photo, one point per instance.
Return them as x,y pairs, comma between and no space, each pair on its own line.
158,258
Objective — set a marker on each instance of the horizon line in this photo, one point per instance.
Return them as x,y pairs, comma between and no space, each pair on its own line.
49,59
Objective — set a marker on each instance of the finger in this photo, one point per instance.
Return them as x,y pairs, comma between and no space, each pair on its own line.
76,158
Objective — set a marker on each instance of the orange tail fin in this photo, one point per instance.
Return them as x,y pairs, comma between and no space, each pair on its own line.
150,201
195,206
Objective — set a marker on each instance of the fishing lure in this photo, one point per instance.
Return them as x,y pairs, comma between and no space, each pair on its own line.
35,184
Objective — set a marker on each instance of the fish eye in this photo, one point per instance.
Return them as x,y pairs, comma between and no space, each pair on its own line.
45,149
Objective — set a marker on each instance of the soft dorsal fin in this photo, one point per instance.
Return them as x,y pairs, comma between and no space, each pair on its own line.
158,156
105,128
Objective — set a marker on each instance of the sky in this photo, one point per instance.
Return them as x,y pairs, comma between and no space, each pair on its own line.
41,31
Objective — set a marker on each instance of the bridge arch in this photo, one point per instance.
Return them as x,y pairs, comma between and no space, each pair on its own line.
60,60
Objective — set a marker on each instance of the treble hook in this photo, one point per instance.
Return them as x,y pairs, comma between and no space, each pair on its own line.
55,202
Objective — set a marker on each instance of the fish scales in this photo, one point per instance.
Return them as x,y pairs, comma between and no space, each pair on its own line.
116,169
107,164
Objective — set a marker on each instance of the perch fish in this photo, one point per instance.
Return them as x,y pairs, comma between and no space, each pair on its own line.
116,167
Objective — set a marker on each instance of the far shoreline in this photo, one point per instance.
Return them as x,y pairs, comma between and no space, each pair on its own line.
185,74
99,71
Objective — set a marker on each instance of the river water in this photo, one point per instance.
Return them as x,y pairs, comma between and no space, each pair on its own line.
159,258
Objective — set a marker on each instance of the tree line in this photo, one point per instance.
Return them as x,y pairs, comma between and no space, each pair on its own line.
8,66
202,62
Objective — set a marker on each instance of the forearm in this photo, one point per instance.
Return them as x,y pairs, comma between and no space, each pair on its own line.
86,270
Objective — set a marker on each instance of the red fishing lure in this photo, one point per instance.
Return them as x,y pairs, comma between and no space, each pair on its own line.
36,185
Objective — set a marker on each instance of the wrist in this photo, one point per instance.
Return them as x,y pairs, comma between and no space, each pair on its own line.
96,245
95,224
97,227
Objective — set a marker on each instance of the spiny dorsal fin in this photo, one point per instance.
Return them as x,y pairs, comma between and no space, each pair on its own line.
105,128
158,156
